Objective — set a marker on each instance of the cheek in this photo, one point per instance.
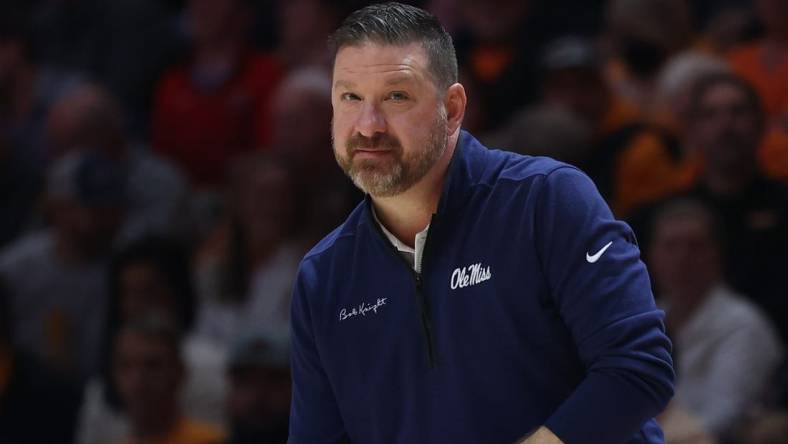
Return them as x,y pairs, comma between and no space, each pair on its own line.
340,129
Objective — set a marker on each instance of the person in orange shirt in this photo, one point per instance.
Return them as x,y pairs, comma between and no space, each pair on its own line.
632,160
149,373
764,64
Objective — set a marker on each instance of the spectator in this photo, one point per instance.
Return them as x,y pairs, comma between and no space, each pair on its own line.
149,374
246,268
643,35
727,351
152,275
681,427
216,105
764,64
497,43
545,130
301,116
726,125
671,107
301,122
145,31
768,429
631,160
89,119
27,89
259,401
55,277
30,393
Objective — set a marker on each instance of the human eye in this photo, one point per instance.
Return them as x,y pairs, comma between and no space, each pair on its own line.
349,97
397,96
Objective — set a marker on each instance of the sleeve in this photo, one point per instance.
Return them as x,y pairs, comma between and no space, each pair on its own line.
314,413
602,291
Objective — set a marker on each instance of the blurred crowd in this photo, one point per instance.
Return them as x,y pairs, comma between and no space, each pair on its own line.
167,163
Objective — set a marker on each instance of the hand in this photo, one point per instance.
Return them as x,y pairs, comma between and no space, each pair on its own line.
542,435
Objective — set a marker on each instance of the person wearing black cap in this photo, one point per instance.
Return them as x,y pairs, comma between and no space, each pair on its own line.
259,400
55,276
631,159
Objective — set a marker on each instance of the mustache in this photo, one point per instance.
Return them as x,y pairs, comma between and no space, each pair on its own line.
379,141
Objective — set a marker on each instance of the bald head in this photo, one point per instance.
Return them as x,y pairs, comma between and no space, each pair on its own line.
301,114
86,118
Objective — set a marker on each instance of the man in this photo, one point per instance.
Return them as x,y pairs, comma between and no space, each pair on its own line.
632,160
726,125
474,296
89,118
727,350
763,63
149,372
307,92
55,276
27,91
216,104
259,398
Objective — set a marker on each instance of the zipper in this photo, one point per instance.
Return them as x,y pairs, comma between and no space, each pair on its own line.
426,323
426,319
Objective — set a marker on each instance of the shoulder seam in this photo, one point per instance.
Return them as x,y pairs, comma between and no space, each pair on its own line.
328,247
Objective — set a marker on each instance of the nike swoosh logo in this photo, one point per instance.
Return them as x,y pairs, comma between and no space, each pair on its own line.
593,258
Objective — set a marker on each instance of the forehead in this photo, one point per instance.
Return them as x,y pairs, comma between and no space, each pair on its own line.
671,226
723,94
380,62
135,343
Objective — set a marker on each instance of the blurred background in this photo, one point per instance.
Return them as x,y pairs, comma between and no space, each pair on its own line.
166,163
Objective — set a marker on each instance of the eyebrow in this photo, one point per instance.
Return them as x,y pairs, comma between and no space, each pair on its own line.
399,80
344,84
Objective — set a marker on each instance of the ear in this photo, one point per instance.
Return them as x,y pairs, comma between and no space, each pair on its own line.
455,102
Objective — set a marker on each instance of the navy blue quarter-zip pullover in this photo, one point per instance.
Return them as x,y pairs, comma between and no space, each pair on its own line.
532,308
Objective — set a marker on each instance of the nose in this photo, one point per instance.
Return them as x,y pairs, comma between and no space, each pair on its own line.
371,120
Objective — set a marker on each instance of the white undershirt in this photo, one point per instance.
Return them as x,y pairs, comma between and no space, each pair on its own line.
412,255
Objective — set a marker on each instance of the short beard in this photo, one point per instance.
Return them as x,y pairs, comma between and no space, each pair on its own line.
391,180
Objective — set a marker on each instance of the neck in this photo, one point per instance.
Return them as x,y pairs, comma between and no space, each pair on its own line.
68,253
408,213
684,307
156,426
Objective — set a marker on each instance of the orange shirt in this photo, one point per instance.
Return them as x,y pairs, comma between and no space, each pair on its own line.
773,154
646,172
771,82
645,168
772,86
620,114
186,432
